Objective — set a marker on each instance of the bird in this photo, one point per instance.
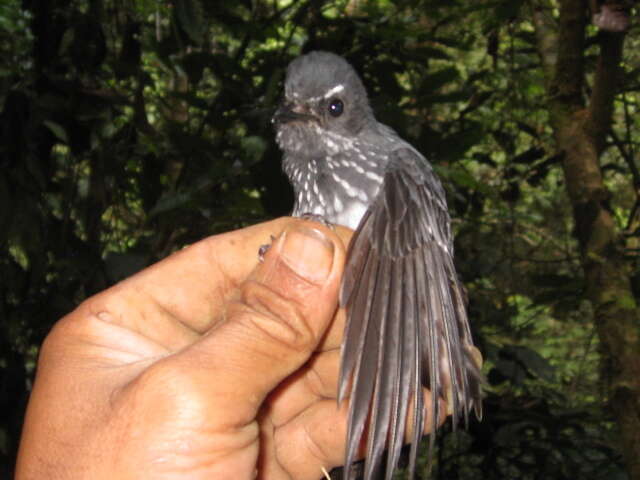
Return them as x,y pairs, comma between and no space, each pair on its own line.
407,325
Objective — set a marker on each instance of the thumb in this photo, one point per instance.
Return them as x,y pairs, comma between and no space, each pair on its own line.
275,321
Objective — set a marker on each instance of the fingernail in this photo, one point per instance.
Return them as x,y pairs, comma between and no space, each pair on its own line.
308,252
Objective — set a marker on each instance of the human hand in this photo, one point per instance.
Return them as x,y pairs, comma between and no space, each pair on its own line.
207,364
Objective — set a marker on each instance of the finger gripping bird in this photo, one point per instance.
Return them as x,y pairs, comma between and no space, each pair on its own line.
406,325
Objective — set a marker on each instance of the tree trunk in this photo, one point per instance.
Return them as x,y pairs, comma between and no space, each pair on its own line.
580,132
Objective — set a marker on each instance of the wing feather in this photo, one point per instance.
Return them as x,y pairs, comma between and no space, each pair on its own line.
383,390
365,369
407,325
360,297
415,357
400,373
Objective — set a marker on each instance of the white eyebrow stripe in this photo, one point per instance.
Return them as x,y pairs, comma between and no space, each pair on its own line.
334,90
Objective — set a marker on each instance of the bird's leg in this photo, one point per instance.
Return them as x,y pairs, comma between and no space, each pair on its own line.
314,217
262,251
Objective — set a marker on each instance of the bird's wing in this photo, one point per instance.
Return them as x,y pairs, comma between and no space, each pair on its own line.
407,325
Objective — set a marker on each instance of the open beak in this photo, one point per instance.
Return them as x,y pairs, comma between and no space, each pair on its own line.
290,112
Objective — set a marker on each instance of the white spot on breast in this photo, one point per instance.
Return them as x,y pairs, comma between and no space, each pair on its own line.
345,142
349,189
331,145
373,176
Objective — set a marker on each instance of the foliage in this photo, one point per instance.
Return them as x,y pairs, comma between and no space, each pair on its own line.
130,129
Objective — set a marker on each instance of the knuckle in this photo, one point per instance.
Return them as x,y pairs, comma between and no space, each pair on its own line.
276,317
315,381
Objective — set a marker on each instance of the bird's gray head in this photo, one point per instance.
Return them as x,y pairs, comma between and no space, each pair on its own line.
325,106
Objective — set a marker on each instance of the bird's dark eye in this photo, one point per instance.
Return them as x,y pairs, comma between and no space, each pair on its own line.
336,107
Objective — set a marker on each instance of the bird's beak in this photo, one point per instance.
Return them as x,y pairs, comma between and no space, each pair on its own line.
290,112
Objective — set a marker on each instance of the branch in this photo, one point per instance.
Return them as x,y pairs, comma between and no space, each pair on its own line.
605,86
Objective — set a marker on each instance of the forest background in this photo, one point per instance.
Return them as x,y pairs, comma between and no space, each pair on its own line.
131,129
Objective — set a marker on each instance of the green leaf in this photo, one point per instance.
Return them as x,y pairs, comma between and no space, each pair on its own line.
438,79
462,178
531,360
58,130
430,53
253,147
171,201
